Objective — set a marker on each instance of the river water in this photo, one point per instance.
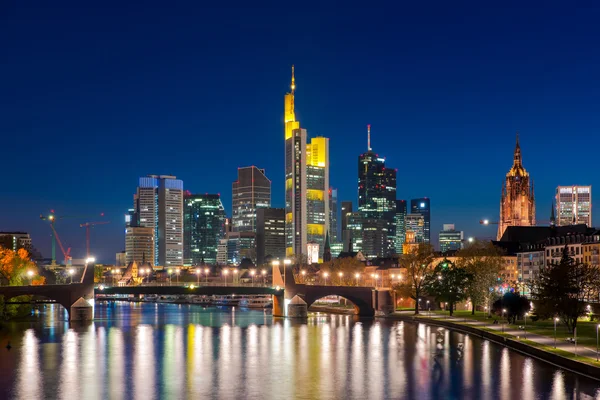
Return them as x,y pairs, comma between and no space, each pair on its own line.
169,351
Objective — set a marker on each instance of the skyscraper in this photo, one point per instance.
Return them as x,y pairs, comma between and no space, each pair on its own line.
415,224
251,191
400,218
270,234
517,202
139,245
450,239
574,205
158,204
306,184
346,237
422,206
377,194
333,215
204,228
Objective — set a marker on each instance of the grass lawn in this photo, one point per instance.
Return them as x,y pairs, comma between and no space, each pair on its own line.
586,330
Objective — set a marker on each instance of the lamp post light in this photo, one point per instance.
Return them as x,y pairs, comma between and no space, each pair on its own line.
357,276
30,275
234,279
225,272
177,271
71,272
555,321
428,307
325,275
264,274
252,273
198,275
286,262
169,272
303,273
206,271
503,311
525,327
340,274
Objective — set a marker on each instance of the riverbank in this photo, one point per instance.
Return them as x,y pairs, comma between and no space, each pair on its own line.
537,346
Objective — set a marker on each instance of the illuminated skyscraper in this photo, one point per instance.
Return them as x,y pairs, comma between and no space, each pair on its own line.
574,205
306,184
251,190
333,216
204,228
517,202
423,206
158,204
450,238
415,223
400,219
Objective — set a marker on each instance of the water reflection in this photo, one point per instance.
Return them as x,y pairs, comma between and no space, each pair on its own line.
176,352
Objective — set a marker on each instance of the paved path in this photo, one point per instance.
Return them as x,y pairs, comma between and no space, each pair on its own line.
511,330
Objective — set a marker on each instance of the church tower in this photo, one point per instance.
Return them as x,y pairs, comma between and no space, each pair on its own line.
517,203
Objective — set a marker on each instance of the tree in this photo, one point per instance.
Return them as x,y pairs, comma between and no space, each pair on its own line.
563,289
449,284
514,305
14,271
484,262
418,272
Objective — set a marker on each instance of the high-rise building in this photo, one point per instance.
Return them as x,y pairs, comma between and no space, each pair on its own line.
15,240
450,238
374,237
333,216
415,223
239,245
574,205
517,202
251,191
139,245
270,234
354,229
346,210
423,206
204,228
306,184
400,219
158,204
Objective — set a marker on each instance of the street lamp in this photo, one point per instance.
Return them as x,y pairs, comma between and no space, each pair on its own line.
555,321
357,276
525,327
503,311
169,272
30,275
235,271
286,262
90,260
376,278
71,272
340,274
428,307
206,271
198,271
264,274
325,275
225,272
177,271
252,273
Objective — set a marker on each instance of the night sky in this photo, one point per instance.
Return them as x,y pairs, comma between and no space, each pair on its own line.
93,98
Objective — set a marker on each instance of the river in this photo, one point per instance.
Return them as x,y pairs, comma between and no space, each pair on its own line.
169,351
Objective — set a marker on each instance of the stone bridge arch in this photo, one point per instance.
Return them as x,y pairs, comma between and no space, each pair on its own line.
363,301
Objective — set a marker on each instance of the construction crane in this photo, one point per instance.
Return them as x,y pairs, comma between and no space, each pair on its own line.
52,218
56,238
87,226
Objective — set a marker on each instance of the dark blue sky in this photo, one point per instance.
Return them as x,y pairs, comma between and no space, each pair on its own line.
93,97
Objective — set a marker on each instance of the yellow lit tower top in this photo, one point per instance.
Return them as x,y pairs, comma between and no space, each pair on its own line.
289,113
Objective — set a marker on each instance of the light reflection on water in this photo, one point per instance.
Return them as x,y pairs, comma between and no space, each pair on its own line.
148,351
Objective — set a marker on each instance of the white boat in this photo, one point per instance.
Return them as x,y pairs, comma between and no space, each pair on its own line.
229,300
257,302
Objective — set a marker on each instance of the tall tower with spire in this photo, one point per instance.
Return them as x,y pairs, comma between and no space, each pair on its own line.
517,201
306,183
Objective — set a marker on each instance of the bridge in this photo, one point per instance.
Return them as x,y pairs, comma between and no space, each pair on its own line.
65,295
367,300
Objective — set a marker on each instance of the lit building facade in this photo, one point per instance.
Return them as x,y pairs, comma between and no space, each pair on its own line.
574,205
270,234
251,191
139,245
517,202
158,204
415,223
15,240
400,219
333,215
450,238
423,206
306,183
346,234
204,228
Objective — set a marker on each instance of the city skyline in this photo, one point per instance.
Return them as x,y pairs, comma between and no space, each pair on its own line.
468,108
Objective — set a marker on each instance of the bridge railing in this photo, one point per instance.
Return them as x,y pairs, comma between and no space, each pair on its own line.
188,284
